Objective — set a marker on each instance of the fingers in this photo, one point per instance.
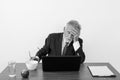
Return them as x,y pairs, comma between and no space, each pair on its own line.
75,32
32,58
35,58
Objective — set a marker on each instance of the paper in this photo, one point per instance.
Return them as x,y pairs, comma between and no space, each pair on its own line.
101,71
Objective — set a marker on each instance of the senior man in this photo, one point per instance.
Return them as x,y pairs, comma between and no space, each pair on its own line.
66,43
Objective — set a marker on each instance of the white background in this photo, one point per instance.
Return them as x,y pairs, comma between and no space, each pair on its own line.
24,25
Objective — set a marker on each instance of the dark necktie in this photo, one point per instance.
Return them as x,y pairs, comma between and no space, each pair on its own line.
65,48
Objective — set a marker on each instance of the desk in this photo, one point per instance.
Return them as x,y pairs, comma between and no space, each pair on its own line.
83,74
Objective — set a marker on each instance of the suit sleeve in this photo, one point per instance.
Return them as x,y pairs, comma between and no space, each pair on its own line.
80,51
45,49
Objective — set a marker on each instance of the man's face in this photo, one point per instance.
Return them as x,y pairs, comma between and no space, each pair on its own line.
70,33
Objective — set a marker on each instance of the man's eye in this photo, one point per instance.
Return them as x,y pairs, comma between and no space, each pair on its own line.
68,32
72,35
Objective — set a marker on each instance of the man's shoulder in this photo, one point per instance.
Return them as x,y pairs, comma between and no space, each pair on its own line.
55,34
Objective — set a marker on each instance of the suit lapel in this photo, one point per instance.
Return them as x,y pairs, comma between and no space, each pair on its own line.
60,44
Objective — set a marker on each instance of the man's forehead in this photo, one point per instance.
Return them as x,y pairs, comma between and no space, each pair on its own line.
69,27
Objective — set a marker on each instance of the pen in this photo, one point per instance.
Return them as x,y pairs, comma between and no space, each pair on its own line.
104,76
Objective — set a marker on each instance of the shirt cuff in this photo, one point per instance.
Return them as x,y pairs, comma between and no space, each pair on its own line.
76,45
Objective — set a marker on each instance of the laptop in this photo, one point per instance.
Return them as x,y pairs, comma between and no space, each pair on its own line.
61,63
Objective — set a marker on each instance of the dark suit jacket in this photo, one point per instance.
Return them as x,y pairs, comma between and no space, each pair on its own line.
53,46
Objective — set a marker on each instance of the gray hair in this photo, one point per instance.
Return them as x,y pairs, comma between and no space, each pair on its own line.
75,24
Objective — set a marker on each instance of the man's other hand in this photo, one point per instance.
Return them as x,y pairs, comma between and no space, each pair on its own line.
36,58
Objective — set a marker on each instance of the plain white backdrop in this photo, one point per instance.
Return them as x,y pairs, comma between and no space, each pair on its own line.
25,24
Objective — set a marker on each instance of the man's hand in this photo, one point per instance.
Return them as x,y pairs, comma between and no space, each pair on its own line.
71,33
75,34
36,58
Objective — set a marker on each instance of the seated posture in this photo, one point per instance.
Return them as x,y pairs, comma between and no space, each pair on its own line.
67,43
